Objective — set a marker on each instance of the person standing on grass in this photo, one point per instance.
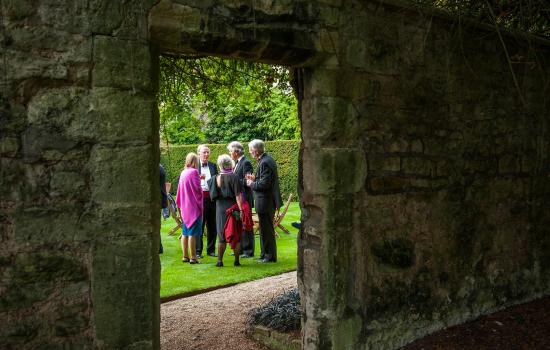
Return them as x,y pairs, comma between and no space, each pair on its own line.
243,166
190,201
226,190
207,169
163,200
265,185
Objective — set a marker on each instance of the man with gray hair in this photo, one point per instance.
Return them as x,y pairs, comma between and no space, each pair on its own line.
207,169
243,166
265,184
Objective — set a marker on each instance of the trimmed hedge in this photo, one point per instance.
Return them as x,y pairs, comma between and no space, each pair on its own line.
285,154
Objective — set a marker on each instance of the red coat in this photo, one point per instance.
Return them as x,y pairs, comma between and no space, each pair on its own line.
233,228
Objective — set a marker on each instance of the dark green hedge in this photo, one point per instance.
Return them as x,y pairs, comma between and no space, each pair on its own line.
285,154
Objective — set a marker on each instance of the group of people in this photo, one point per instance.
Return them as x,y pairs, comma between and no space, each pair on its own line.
220,199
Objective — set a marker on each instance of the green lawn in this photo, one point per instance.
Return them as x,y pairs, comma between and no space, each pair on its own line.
180,278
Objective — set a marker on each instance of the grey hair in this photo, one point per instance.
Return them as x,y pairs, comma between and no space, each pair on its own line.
237,147
257,145
225,162
201,146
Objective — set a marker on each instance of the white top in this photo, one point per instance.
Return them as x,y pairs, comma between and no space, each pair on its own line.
206,171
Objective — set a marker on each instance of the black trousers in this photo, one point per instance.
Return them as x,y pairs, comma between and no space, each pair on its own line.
268,244
208,221
247,243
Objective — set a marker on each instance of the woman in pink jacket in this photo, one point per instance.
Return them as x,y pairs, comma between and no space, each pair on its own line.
189,201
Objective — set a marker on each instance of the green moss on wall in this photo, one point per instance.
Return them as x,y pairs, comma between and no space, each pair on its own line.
395,253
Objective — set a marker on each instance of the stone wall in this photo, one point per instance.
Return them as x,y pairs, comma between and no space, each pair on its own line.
425,176
79,196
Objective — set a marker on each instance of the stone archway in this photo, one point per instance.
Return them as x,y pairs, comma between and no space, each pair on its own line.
423,181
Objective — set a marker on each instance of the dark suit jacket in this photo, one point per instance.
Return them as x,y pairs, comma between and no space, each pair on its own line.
245,166
163,195
266,186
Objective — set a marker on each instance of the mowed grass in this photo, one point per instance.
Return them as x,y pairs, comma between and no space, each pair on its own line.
179,278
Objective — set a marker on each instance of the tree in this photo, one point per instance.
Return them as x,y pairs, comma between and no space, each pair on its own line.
532,16
217,100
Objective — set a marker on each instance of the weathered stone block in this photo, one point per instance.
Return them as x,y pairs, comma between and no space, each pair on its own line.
133,116
17,9
333,117
417,166
388,184
69,48
383,163
68,16
32,65
71,319
345,332
122,64
123,20
19,333
35,276
509,164
123,222
330,15
38,141
398,146
109,165
398,253
413,41
55,225
417,146
355,53
489,166
528,163
169,19
119,293
67,184
328,41
58,108
9,146
335,161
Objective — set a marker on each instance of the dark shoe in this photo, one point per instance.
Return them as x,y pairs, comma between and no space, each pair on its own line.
193,261
236,263
263,261
219,264
185,260
199,256
212,254
246,256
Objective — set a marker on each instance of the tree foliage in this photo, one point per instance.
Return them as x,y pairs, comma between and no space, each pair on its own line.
216,100
531,16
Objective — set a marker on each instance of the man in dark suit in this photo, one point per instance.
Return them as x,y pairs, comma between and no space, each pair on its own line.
163,200
265,184
243,166
207,169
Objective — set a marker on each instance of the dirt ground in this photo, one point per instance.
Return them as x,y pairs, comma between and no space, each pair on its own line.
216,320
520,327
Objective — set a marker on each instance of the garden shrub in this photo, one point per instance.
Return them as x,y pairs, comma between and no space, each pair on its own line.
285,154
282,313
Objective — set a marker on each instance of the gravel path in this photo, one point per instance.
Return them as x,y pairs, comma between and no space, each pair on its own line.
216,320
